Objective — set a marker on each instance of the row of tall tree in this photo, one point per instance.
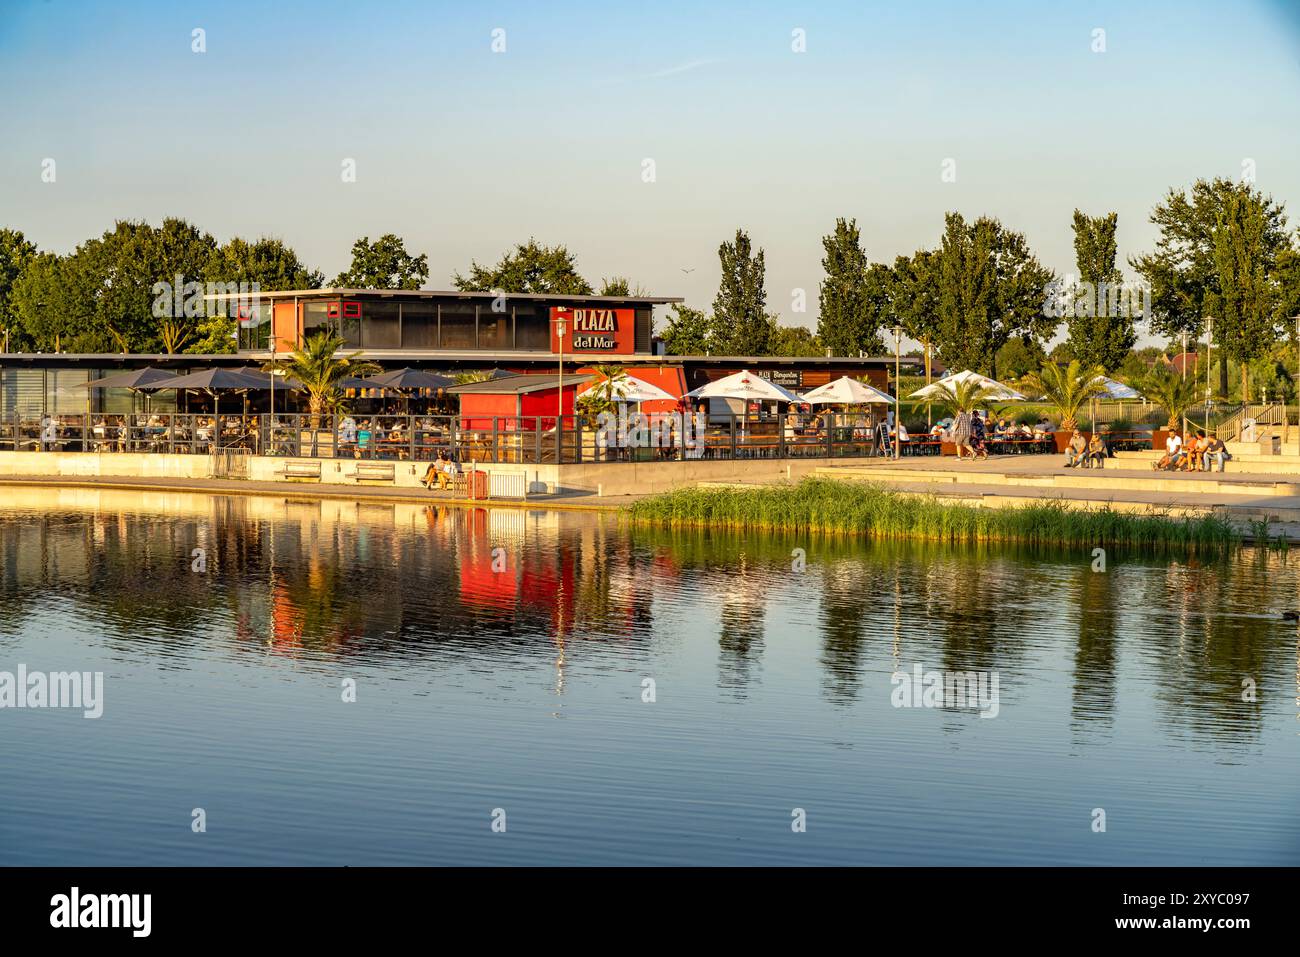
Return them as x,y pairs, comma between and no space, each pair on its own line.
1225,269
104,296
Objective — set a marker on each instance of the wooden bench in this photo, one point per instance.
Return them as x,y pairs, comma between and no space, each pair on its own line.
300,471
374,472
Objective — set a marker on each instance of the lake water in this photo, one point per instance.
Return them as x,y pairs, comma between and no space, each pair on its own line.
517,691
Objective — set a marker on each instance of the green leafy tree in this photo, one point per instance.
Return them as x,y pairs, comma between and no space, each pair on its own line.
914,300
991,287
854,297
1066,388
268,264
1183,272
384,264
530,268
740,325
796,341
687,332
1100,330
16,253
1245,303
318,366
102,297
1019,358
620,286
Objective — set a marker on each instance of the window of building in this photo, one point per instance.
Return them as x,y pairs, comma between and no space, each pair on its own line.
532,328
381,325
458,322
315,317
494,328
419,325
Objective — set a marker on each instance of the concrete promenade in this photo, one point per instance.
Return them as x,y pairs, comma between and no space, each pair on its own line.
1126,484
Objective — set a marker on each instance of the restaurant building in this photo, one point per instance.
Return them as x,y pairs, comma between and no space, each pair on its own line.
450,331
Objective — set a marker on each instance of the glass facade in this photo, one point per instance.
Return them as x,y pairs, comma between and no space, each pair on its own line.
420,325
532,328
433,324
459,324
381,324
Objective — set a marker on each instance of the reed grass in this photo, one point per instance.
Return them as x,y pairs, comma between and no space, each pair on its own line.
829,506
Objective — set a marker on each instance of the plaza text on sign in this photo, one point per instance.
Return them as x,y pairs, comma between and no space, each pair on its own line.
594,330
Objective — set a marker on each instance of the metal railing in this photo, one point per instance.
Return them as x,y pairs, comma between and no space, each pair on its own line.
525,440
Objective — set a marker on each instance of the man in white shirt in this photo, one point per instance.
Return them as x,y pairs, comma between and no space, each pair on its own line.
1174,449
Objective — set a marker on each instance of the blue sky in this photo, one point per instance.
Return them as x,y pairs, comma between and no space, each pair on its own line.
463,151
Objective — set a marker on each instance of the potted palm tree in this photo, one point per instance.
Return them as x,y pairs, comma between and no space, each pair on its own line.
1172,393
1066,389
318,367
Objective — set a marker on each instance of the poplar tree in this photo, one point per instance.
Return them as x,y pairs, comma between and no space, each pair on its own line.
1099,332
740,325
854,297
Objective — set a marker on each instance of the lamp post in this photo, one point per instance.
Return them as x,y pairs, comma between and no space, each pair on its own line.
1184,358
560,327
898,391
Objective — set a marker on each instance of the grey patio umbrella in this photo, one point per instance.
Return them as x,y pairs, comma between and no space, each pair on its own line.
406,380
216,381
409,379
137,380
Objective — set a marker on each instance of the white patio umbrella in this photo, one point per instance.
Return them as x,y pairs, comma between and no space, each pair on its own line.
631,389
847,391
744,385
943,389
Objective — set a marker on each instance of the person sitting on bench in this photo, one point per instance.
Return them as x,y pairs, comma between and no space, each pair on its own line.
442,470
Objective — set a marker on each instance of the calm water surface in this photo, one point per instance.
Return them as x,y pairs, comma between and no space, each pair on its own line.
522,689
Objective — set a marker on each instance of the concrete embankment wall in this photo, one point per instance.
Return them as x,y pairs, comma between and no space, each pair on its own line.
609,479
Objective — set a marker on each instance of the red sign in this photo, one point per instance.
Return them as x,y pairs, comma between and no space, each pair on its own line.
594,330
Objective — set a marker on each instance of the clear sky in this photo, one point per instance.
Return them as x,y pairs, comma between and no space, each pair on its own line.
463,151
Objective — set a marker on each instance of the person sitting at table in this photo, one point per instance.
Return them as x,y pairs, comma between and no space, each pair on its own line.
1074,451
1043,427
1001,429
902,432
1025,432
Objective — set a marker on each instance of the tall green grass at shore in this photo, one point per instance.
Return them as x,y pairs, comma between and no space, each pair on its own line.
829,506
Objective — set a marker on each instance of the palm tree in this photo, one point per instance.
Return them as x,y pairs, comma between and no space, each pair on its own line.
1067,388
316,365
969,395
603,396
1169,390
